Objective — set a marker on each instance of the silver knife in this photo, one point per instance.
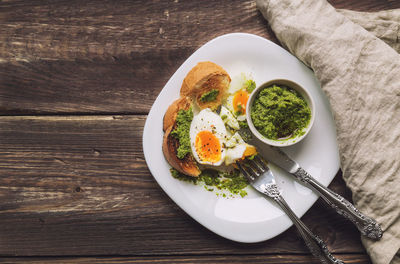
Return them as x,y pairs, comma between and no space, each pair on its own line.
367,226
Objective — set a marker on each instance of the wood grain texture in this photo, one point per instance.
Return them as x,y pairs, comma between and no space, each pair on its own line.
216,259
73,185
75,188
112,56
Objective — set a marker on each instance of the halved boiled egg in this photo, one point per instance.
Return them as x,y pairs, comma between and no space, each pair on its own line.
236,103
238,96
207,136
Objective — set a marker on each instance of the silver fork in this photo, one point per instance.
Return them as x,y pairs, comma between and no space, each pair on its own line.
261,178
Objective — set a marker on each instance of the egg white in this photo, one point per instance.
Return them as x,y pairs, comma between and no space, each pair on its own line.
209,121
238,82
235,153
228,118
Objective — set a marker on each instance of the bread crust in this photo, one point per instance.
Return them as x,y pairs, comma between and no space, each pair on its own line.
172,111
202,78
187,165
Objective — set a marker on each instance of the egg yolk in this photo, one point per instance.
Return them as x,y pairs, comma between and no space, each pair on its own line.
250,150
239,101
207,146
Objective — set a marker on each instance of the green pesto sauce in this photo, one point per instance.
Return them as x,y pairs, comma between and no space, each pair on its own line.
250,85
279,112
240,110
181,132
243,124
182,177
232,183
245,132
209,96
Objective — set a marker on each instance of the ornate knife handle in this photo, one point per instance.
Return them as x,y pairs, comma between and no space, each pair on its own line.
313,242
367,226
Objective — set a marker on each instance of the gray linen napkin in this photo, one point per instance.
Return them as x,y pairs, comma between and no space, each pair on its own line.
361,76
383,24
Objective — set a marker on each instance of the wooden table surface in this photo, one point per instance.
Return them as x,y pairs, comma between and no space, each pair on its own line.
77,79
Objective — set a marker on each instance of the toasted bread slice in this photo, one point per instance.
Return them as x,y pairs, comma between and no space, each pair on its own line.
204,78
172,111
187,165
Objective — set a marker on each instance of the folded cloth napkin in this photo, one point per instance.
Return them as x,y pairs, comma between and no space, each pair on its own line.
360,74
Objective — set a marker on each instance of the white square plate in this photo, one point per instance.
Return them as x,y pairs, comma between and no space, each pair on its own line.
252,218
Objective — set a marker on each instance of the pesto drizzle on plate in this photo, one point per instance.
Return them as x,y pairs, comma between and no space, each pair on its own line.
224,183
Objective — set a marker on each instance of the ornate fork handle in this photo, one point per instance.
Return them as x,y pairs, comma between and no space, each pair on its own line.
367,226
313,242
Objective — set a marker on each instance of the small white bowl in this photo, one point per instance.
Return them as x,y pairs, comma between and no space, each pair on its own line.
281,142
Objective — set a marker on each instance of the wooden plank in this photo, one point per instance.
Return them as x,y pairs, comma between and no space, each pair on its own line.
104,57
271,259
112,57
79,185
127,84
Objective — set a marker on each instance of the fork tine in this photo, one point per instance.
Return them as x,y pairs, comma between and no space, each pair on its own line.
259,160
255,170
251,169
256,166
242,169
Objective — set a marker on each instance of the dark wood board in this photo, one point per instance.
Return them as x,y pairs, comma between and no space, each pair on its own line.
214,259
112,56
79,185
77,79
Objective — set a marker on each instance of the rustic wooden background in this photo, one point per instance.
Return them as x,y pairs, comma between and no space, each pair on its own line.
77,79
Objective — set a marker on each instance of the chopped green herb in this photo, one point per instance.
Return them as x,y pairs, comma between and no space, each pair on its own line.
239,110
245,133
181,132
208,189
250,85
210,177
209,96
231,174
182,177
243,124
252,157
232,182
